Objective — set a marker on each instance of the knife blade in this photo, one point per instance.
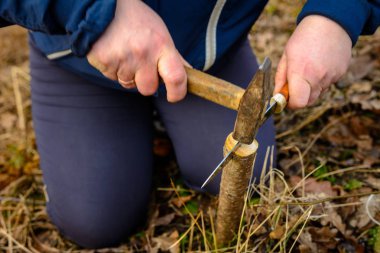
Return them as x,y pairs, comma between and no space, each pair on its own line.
220,166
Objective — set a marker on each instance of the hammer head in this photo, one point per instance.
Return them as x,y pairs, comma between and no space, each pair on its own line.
252,104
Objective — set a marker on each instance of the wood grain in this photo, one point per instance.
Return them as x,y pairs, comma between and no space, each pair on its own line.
214,89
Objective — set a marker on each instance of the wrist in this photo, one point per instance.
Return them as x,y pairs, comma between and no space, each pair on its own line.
328,27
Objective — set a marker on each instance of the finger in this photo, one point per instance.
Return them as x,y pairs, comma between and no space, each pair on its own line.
172,71
146,79
95,63
126,76
131,84
110,74
280,78
314,95
299,90
108,69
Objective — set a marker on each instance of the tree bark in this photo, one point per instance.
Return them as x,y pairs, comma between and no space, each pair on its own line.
235,179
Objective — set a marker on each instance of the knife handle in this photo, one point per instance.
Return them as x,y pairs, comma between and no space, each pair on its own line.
281,99
285,91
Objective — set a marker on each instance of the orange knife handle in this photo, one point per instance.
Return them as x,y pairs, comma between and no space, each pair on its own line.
285,91
281,99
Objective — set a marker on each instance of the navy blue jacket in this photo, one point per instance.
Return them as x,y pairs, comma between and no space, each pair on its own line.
202,30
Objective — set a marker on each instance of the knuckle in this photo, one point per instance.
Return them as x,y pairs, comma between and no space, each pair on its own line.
139,49
104,62
97,62
319,72
110,75
176,78
160,39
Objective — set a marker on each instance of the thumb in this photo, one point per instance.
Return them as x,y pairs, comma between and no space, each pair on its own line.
299,90
172,71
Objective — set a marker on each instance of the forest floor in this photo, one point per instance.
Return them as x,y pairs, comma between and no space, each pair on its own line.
323,197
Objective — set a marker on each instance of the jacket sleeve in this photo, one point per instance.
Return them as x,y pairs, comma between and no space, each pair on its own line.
83,20
357,17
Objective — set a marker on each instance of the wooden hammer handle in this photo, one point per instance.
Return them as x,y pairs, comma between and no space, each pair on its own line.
213,89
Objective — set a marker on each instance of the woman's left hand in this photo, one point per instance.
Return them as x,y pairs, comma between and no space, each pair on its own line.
317,54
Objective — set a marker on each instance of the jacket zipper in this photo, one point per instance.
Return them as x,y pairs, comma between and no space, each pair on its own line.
59,54
211,34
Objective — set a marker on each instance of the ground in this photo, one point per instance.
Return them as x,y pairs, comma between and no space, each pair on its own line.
322,197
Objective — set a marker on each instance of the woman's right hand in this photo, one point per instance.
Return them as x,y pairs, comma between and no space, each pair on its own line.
137,47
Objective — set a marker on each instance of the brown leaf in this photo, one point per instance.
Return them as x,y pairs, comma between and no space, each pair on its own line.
333,218
360,219
166,242
358,126
360,87
277,233
340,135
325,236
348,210
178,202
364,142
368,101
5,179
8,120
307,244
374,182
312,186
164,220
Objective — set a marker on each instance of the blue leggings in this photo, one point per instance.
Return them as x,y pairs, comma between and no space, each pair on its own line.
95,145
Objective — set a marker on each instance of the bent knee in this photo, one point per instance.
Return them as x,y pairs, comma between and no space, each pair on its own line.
97,227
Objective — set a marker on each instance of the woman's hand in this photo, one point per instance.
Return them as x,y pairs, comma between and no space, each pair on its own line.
316,55
136,49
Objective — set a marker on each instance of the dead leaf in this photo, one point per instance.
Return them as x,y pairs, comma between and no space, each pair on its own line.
359,87
340,135
164,220
166,242
347,211
307,244
180,201
312,186
325,236
358,126
360,219
277,233
333,218
373,182
8,120
5,179
364,142
368,101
